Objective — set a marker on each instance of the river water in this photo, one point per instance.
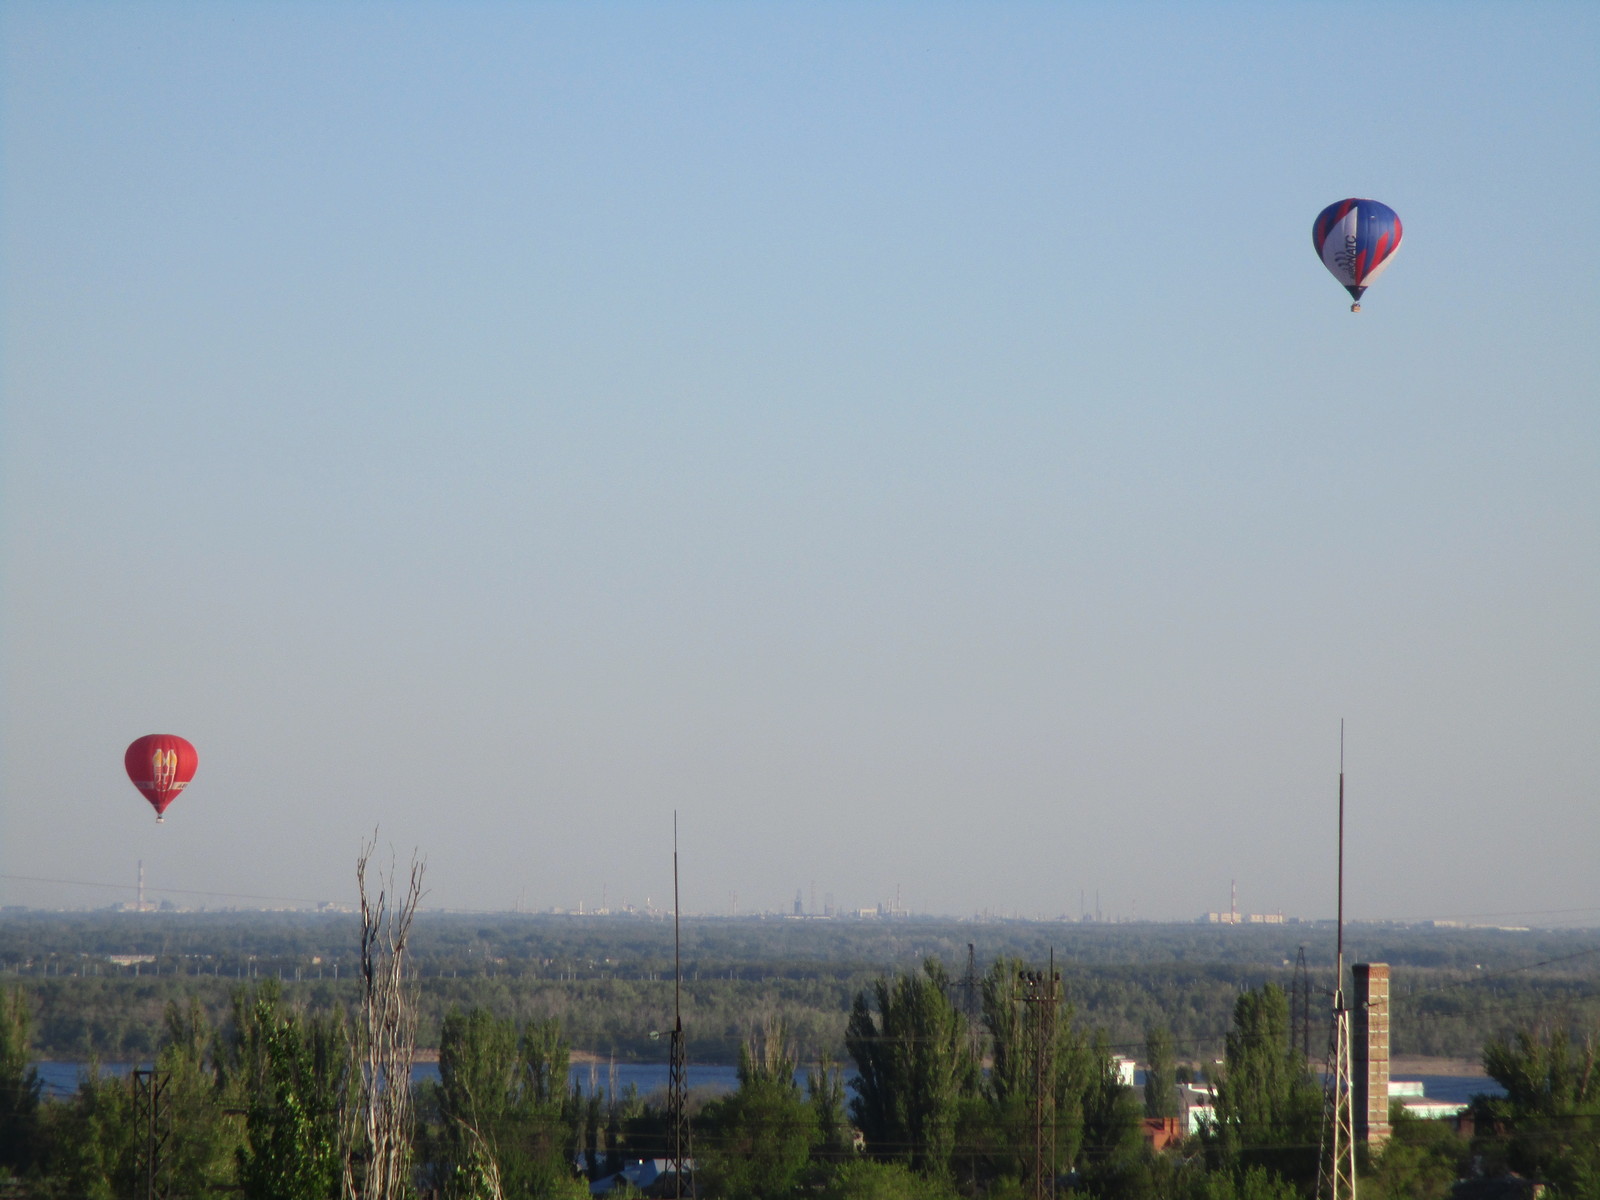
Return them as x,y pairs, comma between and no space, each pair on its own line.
61,1078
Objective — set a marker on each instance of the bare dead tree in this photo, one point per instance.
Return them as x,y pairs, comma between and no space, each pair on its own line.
386,1037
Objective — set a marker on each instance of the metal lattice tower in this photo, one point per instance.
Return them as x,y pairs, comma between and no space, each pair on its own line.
971,1002
152,1118
1040,994
1337,1168
1337,1171
1300,1008
679,1115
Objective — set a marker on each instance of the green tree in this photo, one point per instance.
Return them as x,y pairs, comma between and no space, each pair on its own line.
1160,1073
545,1113
591,1111
1422,1160
756,1143
1543,1072
1011,1070
201,1151
477,1068
1269,1108
1245,1183
864,1179
1008,1141
292,1148
825,1092
1111,1110
19,1083
1095,1116
913,1063
1550,1114
507,1121
87,1146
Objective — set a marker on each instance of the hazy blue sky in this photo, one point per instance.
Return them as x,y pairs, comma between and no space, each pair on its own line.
915,442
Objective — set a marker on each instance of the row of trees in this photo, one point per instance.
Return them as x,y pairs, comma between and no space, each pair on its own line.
275,1102
268,1103
119,1019
1454,989
545,945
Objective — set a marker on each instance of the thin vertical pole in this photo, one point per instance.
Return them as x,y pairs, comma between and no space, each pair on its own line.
1040,994
677,941
1337,1171
1339,982
1052,1006
682,1185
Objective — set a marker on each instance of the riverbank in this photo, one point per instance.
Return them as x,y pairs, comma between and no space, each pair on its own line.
1407,1066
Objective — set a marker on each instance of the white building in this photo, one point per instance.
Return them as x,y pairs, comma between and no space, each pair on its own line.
1409,1093
1197,1104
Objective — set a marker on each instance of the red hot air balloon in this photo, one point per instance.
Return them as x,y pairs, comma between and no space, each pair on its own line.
160,766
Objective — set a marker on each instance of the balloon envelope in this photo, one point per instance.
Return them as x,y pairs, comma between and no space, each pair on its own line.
1356,239
160,765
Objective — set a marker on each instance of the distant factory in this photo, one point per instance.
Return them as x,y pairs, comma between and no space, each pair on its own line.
1234,917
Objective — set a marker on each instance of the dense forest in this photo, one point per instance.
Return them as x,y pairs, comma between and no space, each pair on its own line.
608,979
944,1094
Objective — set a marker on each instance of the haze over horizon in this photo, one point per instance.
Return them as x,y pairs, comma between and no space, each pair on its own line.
917,445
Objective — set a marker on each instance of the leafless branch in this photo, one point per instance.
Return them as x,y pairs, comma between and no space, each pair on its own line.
386,1034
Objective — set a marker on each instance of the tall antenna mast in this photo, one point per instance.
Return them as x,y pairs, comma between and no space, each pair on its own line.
1337,1171
677,1085
1339,981
677,940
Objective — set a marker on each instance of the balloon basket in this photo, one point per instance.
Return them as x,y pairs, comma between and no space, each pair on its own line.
1355,308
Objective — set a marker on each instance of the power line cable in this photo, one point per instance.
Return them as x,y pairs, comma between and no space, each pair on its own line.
128,887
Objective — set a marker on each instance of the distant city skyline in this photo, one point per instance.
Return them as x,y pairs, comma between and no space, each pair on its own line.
162,900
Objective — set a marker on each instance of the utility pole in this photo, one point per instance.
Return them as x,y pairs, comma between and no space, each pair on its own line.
1040,994
152,1119
1337,1169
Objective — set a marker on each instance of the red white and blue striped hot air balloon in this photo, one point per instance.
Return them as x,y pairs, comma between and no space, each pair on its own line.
1356,240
